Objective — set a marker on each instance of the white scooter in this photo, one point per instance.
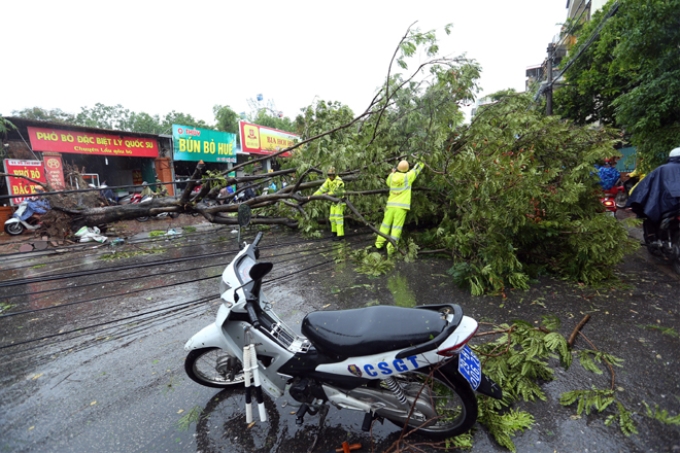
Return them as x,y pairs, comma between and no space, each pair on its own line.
14,226
411,366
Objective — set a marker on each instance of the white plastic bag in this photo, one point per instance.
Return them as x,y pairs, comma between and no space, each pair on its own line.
89,234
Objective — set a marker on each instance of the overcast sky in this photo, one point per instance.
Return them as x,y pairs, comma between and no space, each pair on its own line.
158,56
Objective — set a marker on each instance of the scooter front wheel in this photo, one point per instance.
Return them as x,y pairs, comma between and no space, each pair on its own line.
213,367
14,229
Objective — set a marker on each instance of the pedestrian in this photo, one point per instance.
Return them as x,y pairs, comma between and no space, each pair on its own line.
161,191
146,190
335,187
398,203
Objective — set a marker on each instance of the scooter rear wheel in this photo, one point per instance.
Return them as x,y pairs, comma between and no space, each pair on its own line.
649,235
210,367
452,397
14,229
676,247
621,199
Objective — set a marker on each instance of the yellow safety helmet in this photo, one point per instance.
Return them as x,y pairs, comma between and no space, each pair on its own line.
403,166
331,171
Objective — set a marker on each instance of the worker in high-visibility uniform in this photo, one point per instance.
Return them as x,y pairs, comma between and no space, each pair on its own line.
335,187
398,203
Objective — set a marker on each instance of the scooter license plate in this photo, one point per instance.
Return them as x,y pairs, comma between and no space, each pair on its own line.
470,367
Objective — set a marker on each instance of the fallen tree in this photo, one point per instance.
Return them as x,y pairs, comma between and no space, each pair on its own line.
507,197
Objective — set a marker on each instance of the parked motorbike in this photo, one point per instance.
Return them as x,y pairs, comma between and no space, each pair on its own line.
137,198
609,203
411,366
663,239
14,226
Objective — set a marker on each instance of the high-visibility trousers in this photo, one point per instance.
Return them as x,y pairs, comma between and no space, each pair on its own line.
392,225
337,218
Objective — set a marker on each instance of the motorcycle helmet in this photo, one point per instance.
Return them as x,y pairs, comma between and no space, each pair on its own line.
403,166
674,153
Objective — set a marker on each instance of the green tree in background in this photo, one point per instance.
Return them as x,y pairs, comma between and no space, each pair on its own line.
226,119
143,122
40,114
114,117
184,119
266,118
629,77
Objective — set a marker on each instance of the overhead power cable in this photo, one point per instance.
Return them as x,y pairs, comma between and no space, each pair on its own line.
596,33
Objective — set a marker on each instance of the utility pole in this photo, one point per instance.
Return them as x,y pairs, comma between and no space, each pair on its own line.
549,91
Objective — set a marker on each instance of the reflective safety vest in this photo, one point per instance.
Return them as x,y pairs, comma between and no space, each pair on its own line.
400,187
334,188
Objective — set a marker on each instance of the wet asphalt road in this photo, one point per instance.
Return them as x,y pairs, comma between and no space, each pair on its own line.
92,347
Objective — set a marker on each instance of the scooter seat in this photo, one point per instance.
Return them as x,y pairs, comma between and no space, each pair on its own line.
372,330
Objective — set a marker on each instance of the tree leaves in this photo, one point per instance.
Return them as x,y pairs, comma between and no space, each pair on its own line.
629,76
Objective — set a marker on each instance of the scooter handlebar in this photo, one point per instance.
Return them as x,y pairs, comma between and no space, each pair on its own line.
257,239
252,314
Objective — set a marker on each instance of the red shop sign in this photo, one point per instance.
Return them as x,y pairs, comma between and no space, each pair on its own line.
65,141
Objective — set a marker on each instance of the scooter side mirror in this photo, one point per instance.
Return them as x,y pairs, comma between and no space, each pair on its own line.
259,270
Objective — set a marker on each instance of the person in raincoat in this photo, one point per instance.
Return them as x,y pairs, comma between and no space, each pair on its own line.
146,190
335,187
398,203
659,192
161,191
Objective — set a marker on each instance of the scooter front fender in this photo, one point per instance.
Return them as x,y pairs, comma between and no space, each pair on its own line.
212,337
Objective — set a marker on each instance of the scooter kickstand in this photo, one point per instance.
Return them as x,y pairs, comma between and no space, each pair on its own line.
368,421
300,414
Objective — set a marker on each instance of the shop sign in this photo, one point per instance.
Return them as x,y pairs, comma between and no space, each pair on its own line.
194,144
19,186
256,139
65,141
54,171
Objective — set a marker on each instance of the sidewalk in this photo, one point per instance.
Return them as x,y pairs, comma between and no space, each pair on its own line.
122,229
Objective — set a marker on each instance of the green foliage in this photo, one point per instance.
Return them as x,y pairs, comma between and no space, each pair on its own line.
193,416
671,332
370,263
629,76
215,179
40,114
115,117
504,425
459,442
226,118
517,361
661,415
5,307
588,400
624,418
589,360
525,201
600,400
401,292
265,117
